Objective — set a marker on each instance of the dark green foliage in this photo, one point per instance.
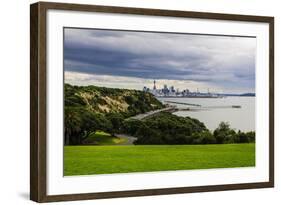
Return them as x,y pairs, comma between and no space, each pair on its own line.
129,99
166,128
204,137
116,120
251,136
71,98
79,123
148,136
224,134
72,125
74,101
247,137
131,126
141,103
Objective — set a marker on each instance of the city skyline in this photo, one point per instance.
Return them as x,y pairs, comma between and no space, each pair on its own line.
124,59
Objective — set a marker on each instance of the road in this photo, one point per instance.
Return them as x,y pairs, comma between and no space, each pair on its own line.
154,112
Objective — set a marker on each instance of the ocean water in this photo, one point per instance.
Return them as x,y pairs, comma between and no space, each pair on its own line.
215,110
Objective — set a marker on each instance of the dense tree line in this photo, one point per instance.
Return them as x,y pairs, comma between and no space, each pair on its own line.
167,128
164,128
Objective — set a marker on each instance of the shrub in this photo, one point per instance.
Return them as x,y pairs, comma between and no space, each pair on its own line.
224,134
204,137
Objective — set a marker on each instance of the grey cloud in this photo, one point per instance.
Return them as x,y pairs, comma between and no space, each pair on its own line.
220,60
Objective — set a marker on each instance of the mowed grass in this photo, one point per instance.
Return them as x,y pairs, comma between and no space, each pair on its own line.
88,160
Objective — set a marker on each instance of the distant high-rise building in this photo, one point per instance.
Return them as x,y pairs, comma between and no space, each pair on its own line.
165,90
154,86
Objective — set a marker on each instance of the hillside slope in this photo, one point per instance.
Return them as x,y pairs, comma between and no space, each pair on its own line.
110,100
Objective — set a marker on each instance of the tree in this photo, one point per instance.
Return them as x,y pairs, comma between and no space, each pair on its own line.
80,123
224,134
90,123
72,125
116,120
148,136
251,136
131,126
204,137
166,128
247,137
242,137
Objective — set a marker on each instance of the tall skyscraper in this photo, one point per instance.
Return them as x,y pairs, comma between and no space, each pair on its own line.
154,86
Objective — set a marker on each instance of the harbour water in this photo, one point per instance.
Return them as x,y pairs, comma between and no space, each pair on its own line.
215,110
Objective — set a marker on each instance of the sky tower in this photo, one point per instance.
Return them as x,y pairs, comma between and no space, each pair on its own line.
154,86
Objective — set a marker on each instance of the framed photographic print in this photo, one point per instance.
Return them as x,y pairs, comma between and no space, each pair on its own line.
135,102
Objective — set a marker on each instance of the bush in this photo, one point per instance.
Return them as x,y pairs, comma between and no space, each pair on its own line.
251,136
245,137
224,134
204,137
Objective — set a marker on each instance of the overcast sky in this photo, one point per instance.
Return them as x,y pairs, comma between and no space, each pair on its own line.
127,59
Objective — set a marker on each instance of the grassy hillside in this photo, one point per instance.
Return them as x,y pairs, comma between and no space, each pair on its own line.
110,100
87,160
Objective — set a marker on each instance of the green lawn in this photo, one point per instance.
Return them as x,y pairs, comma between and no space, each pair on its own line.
87,160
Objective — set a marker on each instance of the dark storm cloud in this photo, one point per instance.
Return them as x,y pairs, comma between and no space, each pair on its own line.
224,61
